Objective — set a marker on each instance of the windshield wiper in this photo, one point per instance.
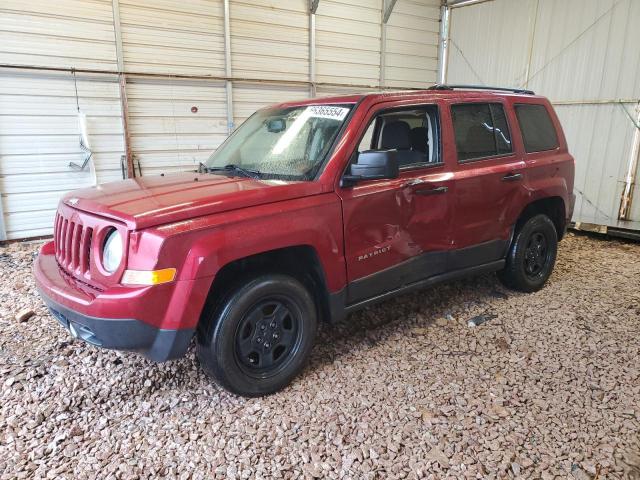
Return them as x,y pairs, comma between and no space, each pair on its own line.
232,167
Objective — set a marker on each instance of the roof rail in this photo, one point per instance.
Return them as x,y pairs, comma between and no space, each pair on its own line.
481,87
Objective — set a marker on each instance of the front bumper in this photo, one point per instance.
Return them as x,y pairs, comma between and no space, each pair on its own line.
157,322
154,343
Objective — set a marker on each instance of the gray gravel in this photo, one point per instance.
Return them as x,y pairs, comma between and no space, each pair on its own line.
549,387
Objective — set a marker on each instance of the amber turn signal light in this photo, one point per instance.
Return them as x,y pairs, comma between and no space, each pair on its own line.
150,277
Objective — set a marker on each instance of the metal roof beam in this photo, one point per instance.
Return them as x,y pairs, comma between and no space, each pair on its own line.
313,6
227,67
463,3
388,8
122,85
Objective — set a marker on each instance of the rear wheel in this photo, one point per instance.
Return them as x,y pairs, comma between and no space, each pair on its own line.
531,256
259,336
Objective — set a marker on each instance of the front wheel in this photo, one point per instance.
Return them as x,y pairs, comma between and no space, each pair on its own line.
259,336
531,256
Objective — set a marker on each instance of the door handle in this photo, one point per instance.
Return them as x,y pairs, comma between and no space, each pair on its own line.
512,177
414,182
432,191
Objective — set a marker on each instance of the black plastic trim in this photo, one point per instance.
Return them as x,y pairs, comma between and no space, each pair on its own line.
340,308
416,273
475,270
409,271
425,266
154,343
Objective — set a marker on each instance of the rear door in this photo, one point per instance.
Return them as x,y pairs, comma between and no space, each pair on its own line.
398,231
489,180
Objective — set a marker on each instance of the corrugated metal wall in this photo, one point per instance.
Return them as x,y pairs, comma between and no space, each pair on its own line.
410,60
270,39
38,113
73,33
348,41
172,36
174,123
583,55
39,138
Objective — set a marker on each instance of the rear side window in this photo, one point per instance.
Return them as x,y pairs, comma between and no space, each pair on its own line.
538,132
481,130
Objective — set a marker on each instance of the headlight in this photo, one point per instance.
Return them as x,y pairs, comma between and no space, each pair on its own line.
112,252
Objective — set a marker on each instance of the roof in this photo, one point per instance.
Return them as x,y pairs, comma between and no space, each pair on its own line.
459,91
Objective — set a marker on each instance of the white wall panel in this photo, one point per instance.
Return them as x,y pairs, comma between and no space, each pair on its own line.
39,136
173,36
411,58
577,53
330,91
270,39
165,135
599,138
251,97
348,42
579,49
594,55
490,42
66,33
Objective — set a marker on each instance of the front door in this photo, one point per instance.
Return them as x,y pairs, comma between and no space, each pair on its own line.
398,231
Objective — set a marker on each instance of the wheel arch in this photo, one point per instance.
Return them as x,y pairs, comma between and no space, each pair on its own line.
554,207
299,261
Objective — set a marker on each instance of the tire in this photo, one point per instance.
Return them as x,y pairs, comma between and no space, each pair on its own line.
531,256
259,336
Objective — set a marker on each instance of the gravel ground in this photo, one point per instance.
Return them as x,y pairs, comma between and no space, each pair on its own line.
549,387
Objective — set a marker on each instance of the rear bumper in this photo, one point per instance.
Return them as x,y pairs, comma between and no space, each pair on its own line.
157,321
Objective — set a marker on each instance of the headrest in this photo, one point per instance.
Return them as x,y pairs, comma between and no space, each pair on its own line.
419,140
396,136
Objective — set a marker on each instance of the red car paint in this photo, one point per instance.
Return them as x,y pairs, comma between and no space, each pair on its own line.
198,223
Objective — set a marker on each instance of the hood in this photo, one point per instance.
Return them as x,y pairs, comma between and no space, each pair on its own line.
155,200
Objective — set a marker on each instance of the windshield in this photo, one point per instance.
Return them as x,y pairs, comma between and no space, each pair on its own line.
287,143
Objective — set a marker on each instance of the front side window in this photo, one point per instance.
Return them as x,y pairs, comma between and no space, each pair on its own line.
414,133
538,132
285,143
481,130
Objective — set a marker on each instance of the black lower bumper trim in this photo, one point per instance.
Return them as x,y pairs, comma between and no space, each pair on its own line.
123,334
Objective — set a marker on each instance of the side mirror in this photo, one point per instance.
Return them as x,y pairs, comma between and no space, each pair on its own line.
373,165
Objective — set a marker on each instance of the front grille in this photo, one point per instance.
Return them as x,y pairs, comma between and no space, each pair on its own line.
73,244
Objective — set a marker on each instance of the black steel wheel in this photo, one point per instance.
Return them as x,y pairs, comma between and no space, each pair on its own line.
531,256
268,336
536,254
257,337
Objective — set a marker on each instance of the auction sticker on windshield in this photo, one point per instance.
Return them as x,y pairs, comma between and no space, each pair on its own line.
327,111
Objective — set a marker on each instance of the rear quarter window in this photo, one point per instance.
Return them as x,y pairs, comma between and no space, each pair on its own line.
538,132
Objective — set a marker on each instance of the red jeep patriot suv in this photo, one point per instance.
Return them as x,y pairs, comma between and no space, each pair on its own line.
309,211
